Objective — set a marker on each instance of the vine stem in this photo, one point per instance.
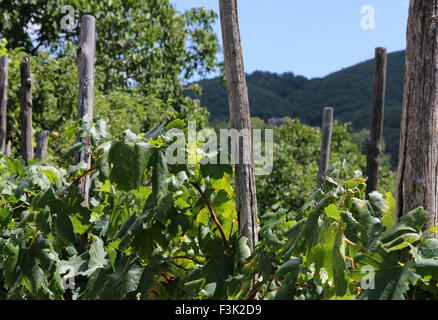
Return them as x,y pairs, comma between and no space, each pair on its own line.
351,260
35,232
210,208
89,171
267,289
253,292
354,244
189,258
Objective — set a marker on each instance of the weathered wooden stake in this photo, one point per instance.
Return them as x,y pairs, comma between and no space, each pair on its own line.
3,100
246,200
417,177
374,143
85,63
25,97
327,126
42,144
8,148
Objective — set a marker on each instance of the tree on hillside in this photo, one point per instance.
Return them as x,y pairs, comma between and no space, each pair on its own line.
296,150
417,181
148,42
145,51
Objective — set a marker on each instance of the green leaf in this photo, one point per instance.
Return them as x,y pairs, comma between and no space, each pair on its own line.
117,213
130,282
155,132
101,286
126,225
291,266
42,200
376,230
429,249
306,237
237,287
97,258
146,282
5,217
178,180
135,228
103,162
31,271
415,219
333,212
143,154
64,227
266,264
339,264
123,161
388,220
427,258
143,245
287,289
209,290
78,263
215,171
376,204
78,168
362,214
408,230
321,255
10,272
427,267
159,175
392,278
76,148
43,221
176,124
213,247
193,288
242,250
55,285
40,249
292,234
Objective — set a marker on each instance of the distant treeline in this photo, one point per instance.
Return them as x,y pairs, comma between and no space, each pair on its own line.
349,91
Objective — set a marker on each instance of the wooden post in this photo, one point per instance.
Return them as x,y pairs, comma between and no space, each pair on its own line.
374,143
3,100
327,126
8,148
246,200
42,144
417,178
85,63
25,97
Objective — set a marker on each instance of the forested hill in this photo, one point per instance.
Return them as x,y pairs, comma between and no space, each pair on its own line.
349,91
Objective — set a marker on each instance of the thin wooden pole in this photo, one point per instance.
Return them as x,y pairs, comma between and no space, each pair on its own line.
85,63
8,148
25,97
246,200
374,143
42,144
327,126
4,74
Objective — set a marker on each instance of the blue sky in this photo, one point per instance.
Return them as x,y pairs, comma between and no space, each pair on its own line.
312,38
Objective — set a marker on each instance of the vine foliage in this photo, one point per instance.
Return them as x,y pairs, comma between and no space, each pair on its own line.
155,230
